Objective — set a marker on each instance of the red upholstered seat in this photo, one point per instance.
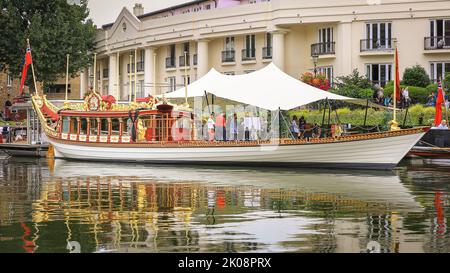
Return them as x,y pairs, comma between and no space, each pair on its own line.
144,100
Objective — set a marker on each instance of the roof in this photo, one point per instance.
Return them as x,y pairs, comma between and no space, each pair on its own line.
196,2
268,88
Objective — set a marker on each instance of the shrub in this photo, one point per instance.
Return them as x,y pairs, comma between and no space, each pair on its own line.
417,94
432,88
353,85
416,76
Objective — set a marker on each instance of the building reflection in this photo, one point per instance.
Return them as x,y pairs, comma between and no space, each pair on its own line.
131,214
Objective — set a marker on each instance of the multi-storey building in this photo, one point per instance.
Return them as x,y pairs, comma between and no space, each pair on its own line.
236,37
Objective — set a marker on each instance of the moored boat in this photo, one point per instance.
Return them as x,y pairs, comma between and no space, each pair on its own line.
149,132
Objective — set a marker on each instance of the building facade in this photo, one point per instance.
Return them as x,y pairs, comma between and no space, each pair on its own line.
235,37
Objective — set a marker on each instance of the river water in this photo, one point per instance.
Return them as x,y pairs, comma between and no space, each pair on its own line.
62,206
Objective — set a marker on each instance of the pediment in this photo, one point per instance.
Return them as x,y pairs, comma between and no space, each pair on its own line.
125,27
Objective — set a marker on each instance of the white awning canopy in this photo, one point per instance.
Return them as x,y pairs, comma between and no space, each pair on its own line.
268,88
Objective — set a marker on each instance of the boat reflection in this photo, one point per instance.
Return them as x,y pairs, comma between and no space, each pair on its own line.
145,208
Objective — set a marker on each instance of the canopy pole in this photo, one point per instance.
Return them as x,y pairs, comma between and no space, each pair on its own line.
329,114
207,102
324,113
406,115
367,110
212,102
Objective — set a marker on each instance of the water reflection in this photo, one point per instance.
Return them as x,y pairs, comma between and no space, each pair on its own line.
53,206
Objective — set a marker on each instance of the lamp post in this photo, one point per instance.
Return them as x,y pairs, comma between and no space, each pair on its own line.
315,57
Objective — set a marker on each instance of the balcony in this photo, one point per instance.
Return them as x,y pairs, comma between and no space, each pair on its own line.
170,62
321,49
182,61
380,45
228,56
267,53
437,43
248,54
139,67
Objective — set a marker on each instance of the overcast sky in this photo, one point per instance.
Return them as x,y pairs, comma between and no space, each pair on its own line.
106,11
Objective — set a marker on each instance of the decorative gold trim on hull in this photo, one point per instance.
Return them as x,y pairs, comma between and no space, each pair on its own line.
281,142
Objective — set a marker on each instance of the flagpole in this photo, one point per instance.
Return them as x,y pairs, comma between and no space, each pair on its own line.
445,105
32,69
130,91
67,78
185,81
95,72
394,123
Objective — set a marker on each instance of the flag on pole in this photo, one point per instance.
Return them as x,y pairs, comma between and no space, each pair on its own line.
439,102
28,61
397,77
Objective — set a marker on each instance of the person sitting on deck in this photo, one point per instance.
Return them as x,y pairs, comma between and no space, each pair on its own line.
443,125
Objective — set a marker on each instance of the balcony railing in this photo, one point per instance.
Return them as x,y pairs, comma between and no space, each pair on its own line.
182,64
377,45
228,56
267,53
323,49
437,42
139,67
105,73
195,59
170,62
248,54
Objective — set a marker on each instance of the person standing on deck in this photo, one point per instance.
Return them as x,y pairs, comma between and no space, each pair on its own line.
294,127
221,128
234,127
211,127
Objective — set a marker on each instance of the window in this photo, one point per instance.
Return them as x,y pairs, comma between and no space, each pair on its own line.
58,89
208,7
326,40
267,50
379,35
186,48
188,80
327,71
249,51
66,125
229,73
438,70
229,43
140,93
172,51
440,34
172,83
379,74
115,127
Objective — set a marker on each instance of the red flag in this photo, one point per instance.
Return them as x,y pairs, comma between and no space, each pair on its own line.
439,102
397,77
28,61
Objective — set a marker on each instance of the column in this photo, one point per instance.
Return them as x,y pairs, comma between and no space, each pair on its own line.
84,82
99,78
344,49
278,58
112,85
124,67
149,71
202,58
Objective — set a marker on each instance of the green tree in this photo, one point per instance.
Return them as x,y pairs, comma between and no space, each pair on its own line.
55,28
416,76
354,85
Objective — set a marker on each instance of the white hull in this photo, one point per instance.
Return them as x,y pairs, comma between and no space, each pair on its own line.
379,153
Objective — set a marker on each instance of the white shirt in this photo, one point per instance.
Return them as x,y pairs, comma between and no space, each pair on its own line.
211,123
